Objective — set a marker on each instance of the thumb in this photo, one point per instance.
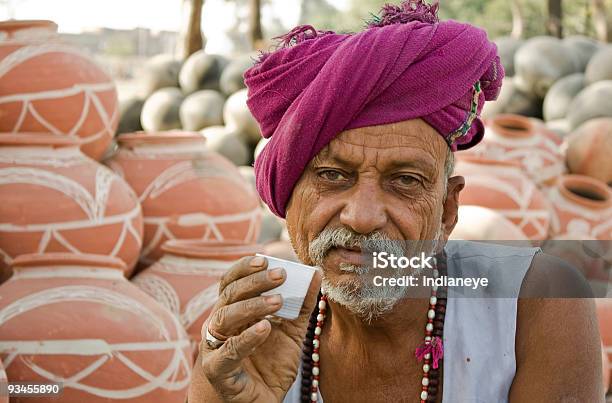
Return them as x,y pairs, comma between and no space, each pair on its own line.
237,348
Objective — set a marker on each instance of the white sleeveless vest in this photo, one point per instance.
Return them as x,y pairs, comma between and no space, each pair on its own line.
479,362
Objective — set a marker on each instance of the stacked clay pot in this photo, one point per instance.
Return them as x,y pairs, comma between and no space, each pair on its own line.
582,208
503,187
604,317
186,278
186,191
55,199
3,381
47,86
589,150
476,223
76,320
526,141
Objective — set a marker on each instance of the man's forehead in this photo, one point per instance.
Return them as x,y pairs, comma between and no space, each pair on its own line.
407,138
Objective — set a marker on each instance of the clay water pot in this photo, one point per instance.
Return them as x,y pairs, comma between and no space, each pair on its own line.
48,86
3,381
512,100
540,62
582,208
582,49
600,65
201,71
130,110
589,150
604,317
605,369
560,95
238,117
202,109
478,223
232,79
185,280
186,190
55,199
503,187
526,141
75,319
228,143
507,47
158,72
161,111
591,103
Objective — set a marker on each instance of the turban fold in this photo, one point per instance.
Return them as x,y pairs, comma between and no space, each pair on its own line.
405,65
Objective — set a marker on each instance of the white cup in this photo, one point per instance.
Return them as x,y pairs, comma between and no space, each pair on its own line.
295,287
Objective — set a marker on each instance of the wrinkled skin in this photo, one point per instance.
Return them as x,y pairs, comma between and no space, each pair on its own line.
388,178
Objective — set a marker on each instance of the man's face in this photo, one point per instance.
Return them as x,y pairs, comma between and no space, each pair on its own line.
373,183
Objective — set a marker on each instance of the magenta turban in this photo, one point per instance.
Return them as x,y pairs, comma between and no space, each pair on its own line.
405,65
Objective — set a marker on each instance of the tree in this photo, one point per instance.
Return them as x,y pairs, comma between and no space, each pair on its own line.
517,19
191,33
255,31
599,20
554,25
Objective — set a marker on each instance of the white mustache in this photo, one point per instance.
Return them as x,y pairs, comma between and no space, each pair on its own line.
342,237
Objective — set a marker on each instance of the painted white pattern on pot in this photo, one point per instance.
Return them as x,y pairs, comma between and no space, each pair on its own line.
93,207
591,224
91,92
160,290
169,379
199,304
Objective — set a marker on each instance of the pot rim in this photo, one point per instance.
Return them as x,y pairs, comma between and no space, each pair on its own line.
33,260
474,159
567,182
18,25
198,249
524,124
29,139
172,136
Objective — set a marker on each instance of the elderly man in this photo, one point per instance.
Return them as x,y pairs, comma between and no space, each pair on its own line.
363,128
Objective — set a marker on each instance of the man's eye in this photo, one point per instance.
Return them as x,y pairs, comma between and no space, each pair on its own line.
331,175
407,180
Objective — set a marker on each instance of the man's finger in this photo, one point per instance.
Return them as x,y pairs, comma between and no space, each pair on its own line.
221,363
252,286
242,268
229,320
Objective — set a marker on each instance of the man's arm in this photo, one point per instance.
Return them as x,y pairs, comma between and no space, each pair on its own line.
558,350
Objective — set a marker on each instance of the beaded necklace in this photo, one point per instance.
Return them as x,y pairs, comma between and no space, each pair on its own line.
430,352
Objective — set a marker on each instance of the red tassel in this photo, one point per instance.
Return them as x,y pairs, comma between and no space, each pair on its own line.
433,347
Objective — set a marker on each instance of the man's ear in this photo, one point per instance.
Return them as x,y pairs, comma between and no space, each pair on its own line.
451,204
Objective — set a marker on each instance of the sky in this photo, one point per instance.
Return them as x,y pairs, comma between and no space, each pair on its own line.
78,15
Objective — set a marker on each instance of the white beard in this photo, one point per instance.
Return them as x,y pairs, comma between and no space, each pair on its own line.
360,296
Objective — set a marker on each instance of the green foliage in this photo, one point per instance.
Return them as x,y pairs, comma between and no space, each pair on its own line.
493,15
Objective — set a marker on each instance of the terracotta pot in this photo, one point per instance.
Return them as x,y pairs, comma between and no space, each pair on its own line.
605,369
582,208
186,278
526,141
604,317
55,199
503,187
478,223
3,381
589,149
75,319
540,62
186,190
47,86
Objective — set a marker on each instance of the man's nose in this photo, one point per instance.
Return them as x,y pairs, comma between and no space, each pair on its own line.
364,211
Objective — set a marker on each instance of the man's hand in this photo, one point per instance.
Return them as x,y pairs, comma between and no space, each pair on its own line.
259,360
